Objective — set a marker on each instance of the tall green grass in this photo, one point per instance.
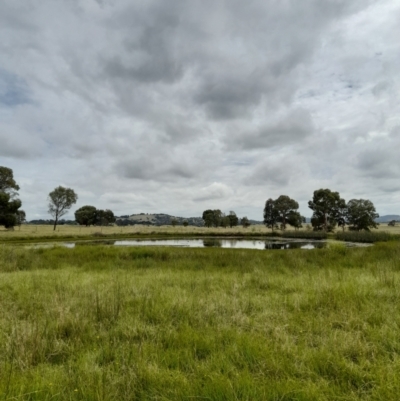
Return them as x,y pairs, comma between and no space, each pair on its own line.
317,235
102,323
364,236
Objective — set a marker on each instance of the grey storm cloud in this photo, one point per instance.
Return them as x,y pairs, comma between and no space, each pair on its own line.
379,163
159,168
240,54
292,128
190,102
278,171
10,147
213,192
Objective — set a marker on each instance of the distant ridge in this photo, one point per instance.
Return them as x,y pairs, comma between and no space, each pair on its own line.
157,219
387,218
162,219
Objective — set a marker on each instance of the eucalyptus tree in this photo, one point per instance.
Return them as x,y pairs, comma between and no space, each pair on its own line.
281,210
245,222
326,205
10,215
225,222
9,210
218,216
296,220
60,201
7,182
342,215
285,207
212,217
105,217
361,214
233,219
20,217
208,217
86,215
271,215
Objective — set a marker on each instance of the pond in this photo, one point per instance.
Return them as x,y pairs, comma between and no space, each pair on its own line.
231,243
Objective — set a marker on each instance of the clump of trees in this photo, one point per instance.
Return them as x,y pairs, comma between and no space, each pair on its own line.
329,211
283,211
10,213
215,218
90,216
212,218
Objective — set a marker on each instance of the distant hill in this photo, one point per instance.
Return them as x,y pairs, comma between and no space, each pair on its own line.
381,219
387,218
162,219
157,219
255,222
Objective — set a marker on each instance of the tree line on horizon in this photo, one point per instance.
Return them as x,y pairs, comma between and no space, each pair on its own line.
329,210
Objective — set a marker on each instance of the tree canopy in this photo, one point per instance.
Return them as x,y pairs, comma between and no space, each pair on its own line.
89,215
86,215
212,217
295,219
325,205
104,217
285,206
7,182
60,201
271,215
282,210
233,219
8,210
361,214
245,222
10,215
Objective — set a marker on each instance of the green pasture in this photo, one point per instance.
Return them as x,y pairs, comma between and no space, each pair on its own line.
37,233
108,323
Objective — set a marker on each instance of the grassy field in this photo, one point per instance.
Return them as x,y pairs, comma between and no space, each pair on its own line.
27,231
104,323
37,232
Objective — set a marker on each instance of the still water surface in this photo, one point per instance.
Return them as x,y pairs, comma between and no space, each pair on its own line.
209,243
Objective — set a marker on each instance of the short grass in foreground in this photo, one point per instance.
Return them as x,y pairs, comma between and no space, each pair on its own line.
102,323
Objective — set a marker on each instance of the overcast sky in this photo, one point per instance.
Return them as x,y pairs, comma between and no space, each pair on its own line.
177,106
